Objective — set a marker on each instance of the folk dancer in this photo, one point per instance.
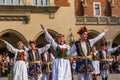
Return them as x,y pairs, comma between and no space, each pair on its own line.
104,58
47,58
61,69
95,57
84,66
19,68
34,58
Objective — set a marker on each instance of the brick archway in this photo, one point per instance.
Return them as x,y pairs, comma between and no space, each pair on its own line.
116,42
12,37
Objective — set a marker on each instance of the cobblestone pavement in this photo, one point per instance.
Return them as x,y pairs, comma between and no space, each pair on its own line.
111,77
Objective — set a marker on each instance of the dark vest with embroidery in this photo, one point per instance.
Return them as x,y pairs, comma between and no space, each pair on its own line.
102,55
48,57
37,55
20,56
62,53
83,65
34,67
104,65
46,66
79,48
95,57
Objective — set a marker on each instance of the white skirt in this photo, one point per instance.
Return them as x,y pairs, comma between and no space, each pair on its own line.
96,67
61,69
20,71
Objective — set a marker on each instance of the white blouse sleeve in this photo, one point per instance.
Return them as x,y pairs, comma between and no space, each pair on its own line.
94,40
112,50
52,56
72,49
50,39
43,49
10,47
25,48
27,55
26,52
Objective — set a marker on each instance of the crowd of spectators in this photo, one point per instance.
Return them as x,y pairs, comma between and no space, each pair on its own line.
5,65
115,64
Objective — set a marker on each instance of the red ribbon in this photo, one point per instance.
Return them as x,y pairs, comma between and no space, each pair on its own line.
62,50
22,55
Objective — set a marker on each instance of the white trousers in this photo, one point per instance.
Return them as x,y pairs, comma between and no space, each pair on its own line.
39,77
104,73
84,76
45,76
96,67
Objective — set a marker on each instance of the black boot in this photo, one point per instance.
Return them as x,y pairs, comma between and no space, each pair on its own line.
103,78
106,78
94,79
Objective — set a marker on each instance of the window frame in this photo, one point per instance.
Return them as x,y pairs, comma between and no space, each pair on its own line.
98,3
2,2
14,2
7,2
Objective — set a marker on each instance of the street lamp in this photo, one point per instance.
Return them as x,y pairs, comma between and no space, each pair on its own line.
71,38
108,43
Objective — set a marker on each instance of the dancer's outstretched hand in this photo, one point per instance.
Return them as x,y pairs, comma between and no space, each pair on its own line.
42,26
2,40
119,45
106,29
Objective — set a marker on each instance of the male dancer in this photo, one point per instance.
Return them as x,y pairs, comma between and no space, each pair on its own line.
104,58
83,46
34,58
47,58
